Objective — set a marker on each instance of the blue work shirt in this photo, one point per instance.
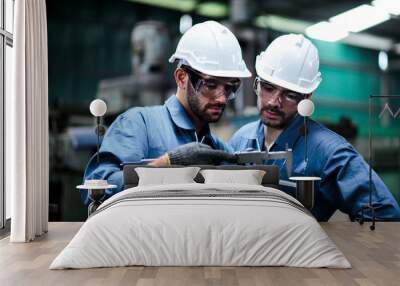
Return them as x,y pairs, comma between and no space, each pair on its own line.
144,133
344,173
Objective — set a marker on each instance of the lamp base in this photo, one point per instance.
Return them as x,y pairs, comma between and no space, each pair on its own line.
97,197
305,190
96,192
361,220
93,207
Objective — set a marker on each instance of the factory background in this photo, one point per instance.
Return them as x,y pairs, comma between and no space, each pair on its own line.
118,50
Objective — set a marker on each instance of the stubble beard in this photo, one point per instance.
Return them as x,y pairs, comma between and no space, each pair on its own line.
195,106
280,124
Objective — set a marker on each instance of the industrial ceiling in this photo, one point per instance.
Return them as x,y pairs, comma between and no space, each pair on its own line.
293,16
321,10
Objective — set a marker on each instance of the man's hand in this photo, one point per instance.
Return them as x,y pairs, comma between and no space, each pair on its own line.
199,154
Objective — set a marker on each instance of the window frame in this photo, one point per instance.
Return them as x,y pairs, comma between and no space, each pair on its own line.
6,39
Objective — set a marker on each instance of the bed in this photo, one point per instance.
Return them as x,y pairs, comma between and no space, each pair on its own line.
201,223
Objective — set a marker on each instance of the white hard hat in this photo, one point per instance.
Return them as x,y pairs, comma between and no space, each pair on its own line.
212,49
292,62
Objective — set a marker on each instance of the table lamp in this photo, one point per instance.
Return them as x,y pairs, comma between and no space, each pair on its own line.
97,188
98,108
305,185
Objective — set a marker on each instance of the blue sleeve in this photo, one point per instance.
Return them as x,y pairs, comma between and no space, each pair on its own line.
245,138
345,185
234,142
220,145
125,141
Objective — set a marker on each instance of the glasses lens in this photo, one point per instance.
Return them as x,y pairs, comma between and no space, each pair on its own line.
294,97
233,86
209,86
193,77
235,89
268,89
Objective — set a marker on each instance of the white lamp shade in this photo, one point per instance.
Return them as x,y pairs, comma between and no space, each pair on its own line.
98,107
305,107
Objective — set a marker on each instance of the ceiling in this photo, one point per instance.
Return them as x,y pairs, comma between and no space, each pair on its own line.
290,16
321,10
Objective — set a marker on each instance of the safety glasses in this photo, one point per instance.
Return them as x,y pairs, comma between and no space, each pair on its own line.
208,87
264,88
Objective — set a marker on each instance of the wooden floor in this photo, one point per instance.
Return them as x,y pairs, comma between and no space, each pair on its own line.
374,255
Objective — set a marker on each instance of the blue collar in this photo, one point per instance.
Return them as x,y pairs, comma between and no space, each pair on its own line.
181,119
290,135
178,113
255,135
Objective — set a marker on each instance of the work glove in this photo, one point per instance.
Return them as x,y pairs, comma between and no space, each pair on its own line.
199,154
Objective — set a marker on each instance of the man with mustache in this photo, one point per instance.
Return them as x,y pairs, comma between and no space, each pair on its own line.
208,74
287,72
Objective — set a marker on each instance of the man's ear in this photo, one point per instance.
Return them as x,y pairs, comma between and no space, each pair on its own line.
181,78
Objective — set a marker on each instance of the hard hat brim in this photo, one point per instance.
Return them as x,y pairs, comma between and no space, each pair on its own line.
218,73
288,85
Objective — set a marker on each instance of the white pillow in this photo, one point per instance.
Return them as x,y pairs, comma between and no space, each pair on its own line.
249,177
165,176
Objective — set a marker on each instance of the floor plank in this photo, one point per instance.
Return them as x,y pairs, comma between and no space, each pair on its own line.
374,255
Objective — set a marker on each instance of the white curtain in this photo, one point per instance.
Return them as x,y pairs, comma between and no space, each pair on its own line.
27,154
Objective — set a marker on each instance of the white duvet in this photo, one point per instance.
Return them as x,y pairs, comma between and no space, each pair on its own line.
201,224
